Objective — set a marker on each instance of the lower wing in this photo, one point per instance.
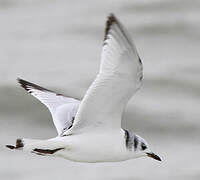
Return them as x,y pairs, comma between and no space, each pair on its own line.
63,109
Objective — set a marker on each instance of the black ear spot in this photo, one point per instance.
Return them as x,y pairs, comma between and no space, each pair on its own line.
143,146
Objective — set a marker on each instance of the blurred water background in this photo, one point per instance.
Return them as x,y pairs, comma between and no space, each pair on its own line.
57,44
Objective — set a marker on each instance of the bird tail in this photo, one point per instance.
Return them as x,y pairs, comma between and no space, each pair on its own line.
21,143
39,147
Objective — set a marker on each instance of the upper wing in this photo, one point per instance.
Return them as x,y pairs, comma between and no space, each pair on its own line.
63,109
118,79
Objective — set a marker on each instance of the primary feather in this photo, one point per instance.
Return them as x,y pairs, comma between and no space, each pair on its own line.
118,79
63,109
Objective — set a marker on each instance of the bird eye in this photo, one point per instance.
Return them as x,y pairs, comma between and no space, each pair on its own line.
143,146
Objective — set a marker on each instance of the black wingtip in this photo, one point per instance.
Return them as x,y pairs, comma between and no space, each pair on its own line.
110,20
28,86
111,16
23,83
19,80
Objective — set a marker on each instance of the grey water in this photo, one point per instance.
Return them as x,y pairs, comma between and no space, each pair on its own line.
57,44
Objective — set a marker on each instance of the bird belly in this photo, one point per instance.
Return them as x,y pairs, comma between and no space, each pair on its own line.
95,148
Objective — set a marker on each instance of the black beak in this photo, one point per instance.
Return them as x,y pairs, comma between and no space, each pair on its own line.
154,156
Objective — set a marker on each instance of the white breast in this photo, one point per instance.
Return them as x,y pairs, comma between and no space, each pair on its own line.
91,147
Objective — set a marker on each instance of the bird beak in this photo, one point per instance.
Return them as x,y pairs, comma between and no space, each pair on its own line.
154,156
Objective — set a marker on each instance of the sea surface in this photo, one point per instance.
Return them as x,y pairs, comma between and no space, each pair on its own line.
57,44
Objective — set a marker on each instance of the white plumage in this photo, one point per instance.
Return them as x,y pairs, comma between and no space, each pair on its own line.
63,109
90,130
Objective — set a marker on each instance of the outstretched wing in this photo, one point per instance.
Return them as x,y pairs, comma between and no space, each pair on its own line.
119,77
63,109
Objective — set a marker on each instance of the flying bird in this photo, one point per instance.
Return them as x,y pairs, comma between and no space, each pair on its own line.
89,130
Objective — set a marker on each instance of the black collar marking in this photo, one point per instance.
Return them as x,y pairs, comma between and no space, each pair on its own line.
135,142
131,140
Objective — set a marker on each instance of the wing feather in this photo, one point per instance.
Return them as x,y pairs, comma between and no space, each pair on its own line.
118,79
63,109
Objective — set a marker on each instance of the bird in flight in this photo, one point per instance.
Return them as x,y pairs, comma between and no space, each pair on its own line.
89,130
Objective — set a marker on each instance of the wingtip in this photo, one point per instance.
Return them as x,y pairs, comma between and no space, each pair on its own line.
22,83
111,15
19,80
110,20
28,86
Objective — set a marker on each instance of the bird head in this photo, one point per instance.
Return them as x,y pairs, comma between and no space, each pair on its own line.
143,149
138,147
